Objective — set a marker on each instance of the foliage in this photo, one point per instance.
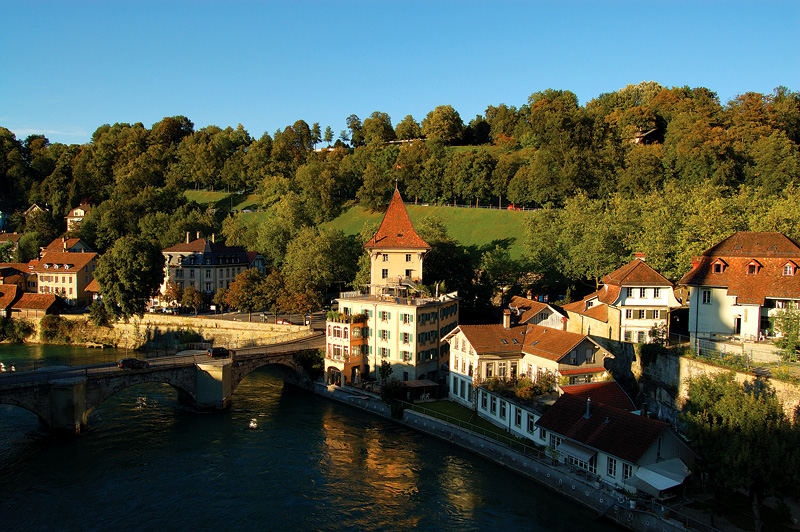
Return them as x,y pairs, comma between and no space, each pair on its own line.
787,322
55,329
6,251
385,371
312,361
129,274
15,330
192,298
99,315
745,438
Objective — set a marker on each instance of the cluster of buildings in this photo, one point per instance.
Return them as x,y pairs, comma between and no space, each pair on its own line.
587,420
63,274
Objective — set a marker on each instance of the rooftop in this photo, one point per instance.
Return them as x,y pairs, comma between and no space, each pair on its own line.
608,393
30,301
396,230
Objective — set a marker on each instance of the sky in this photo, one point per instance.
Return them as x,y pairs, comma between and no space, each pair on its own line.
68,67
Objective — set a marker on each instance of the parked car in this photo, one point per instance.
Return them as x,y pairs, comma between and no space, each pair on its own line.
283,322
218,352
133,363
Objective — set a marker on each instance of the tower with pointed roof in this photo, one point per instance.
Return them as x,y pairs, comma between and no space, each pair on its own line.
395,322
396,251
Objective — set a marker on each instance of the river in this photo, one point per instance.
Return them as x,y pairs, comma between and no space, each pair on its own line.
279,459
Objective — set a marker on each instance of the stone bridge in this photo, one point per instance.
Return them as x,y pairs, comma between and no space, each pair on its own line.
63,398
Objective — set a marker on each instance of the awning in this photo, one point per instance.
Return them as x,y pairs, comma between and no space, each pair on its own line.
584,454
662,475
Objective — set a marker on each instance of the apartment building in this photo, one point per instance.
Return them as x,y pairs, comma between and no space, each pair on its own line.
65,274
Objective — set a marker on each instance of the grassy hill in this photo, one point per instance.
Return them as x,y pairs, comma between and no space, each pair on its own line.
223,200
471,227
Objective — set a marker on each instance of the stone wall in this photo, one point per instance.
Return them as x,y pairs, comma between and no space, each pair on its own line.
665,383
161,329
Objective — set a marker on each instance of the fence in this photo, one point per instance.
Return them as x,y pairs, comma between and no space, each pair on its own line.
471,206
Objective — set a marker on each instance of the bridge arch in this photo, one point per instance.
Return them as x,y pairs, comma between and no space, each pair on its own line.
181,379
243,368
41,411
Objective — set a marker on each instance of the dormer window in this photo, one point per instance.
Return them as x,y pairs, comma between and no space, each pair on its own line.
589,304
789,268
718,266
753,267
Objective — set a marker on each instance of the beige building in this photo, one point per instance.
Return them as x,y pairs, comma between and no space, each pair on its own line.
205,264
634,300
65,274
76,216
395,321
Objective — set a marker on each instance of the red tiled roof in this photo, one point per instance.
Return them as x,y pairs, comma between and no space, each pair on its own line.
10,237
528,307
30,301
94,286
608,393
598,311
59,245
77,261
8,294
396,230
550,343
636,273
608,429
19,266
493,338
771,252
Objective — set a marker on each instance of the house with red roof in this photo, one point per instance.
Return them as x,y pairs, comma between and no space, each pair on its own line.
68,245
608,393
529,311
737,285
392,321
34,306
76,215
65,274
633,300
9,294
627,450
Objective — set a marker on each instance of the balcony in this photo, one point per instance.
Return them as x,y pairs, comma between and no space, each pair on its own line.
339,317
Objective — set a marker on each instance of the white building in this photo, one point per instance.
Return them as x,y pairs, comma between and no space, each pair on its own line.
736,286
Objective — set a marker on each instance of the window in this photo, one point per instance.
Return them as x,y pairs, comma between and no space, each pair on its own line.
643,292
406,338
517,417
629,314
656,293
408,257
611,467
462,393
627,471
641,314
589,304
385,257
555,441
788,270
640,337
384,273
489,369
483,400
706,297
752,269
629,292
408,273
531,425
502,409
501,369
493,407
717,267
513,373
542,433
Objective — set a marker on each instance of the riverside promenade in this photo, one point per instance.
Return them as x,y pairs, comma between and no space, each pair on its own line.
606,502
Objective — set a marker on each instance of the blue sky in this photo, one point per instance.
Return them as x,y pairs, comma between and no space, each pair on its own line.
68,67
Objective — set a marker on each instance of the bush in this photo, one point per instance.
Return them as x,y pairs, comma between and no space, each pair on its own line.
15,330
56,329
312,361
99,315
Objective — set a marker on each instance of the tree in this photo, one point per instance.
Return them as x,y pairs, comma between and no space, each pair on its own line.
356,136
6,251
787,322
192,298
316,135
408,129
244,294
129,274
385,371
744,436
173,292
378,129
443,123
99,315
219,298
328,138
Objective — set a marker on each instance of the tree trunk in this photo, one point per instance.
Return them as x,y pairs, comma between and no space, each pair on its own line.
757,524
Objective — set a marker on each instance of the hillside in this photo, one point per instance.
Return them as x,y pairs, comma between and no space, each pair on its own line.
471,227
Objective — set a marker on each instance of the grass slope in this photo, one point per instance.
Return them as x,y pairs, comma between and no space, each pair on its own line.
222,200
471,227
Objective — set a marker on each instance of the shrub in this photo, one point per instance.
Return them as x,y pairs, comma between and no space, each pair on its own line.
15,330
312,361
99,315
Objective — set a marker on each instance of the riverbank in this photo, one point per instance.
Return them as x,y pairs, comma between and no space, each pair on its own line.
591,494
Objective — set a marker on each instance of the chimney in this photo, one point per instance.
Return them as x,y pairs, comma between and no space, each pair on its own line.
198,236
212,237
529,294
588,413
639,255
64,242
506,319
187,237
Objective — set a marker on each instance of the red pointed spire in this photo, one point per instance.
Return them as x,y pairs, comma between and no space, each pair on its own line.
396,230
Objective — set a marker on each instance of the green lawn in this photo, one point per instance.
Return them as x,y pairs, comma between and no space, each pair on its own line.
453,412
223,200
471,227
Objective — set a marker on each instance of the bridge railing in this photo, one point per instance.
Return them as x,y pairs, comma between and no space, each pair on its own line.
261,342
